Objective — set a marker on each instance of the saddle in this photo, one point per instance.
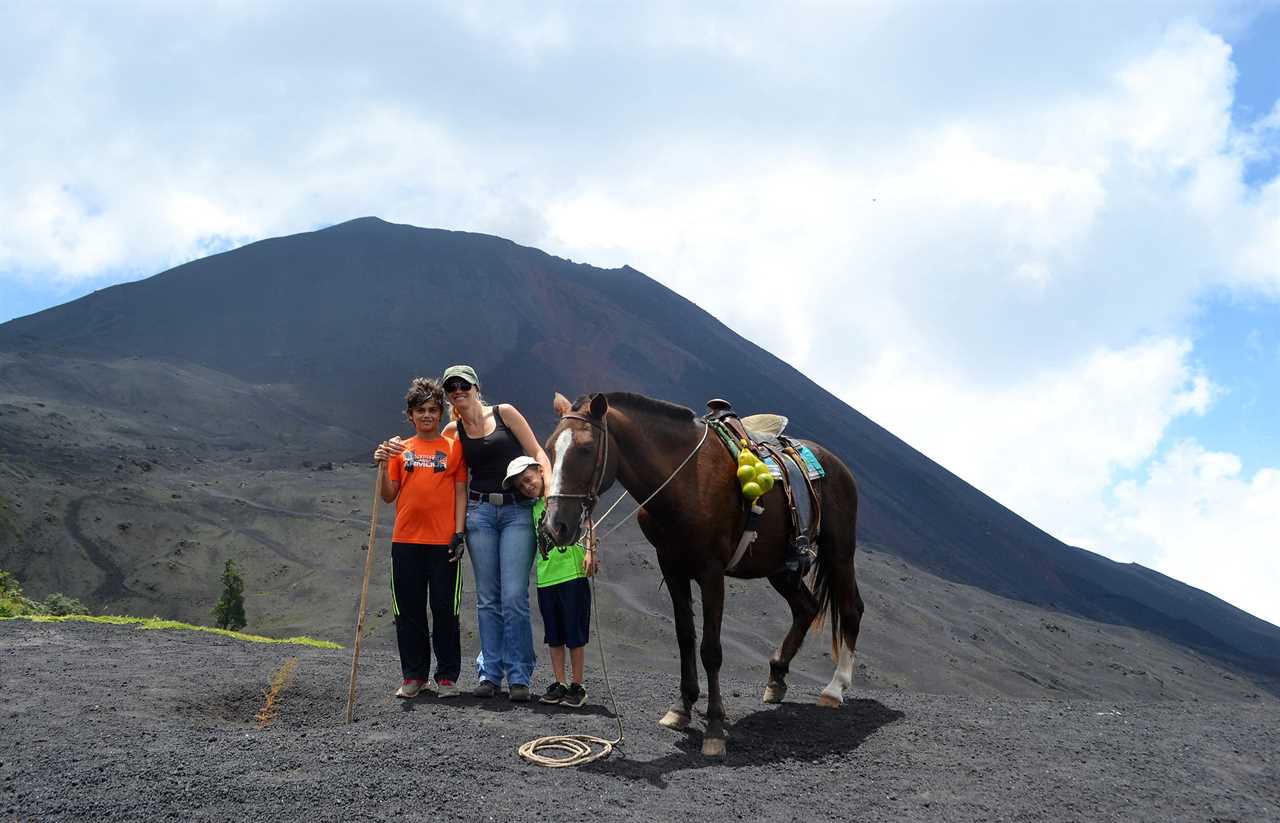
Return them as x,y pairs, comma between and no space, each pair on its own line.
793,466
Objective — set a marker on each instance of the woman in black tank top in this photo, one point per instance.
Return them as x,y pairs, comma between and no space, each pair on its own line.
488,456
499,531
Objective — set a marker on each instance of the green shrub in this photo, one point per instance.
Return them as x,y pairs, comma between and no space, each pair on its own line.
12,601
59,604
229,611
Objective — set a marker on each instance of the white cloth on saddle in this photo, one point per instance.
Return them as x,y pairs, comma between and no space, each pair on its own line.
764,425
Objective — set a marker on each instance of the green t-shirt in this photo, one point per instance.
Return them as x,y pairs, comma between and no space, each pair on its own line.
561,565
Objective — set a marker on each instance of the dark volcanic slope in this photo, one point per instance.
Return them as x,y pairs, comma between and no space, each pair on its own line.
340,317
139,518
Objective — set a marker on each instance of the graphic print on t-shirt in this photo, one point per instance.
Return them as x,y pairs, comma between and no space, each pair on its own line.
438,463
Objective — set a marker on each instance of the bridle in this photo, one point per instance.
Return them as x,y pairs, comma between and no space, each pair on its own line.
589,498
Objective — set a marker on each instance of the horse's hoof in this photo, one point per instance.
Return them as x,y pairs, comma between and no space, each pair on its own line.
774,694
713,747
674,720
829,701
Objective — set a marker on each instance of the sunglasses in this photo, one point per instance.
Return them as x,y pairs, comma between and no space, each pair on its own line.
454,385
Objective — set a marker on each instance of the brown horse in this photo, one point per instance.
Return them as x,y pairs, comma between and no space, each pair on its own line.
695,522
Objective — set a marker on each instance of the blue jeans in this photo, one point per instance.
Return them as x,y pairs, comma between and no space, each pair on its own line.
501,544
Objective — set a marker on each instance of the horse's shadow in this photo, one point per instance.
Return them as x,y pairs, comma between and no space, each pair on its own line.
791,731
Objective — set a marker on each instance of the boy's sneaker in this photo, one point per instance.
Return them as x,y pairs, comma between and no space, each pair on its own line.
410,688
447,688
555,693
574,697
519,693
485,689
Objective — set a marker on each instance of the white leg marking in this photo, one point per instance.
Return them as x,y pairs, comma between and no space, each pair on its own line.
843,677
562,446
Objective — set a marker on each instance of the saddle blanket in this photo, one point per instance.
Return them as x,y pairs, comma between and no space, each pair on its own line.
812,467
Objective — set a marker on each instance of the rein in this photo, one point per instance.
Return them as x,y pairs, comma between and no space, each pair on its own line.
705,431
592,495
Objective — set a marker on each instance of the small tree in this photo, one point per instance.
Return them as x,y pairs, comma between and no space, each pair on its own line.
229,613
60,604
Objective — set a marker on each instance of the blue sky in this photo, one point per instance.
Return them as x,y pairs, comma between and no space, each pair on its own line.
1048,235
1237,341
1254,53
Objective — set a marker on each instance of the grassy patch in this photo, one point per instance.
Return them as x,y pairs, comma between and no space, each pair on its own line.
159,623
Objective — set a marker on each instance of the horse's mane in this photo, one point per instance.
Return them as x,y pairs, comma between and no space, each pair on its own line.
641,402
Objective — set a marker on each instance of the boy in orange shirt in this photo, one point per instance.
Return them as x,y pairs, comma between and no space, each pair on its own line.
426,478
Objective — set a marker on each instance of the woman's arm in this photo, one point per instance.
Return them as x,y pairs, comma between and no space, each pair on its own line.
460,506
520,428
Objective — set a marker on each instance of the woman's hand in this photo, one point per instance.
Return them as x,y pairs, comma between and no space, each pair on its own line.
388,449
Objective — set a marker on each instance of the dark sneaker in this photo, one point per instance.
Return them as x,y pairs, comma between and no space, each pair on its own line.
519,693
485,689
574,697
555,693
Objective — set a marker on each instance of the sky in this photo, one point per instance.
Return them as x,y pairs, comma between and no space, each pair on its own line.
1045,237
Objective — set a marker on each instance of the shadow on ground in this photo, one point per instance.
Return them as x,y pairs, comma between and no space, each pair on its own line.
789,732
500,704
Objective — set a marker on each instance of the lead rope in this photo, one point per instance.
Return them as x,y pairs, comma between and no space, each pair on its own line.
706,430
578,749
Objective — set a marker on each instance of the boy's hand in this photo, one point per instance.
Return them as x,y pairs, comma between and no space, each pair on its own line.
591,560
457,547
388,449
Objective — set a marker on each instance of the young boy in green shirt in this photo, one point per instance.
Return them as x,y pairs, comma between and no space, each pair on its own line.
564,594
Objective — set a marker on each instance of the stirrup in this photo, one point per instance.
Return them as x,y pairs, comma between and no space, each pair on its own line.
800,560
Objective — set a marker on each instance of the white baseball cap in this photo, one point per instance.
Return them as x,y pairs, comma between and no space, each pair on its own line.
516,467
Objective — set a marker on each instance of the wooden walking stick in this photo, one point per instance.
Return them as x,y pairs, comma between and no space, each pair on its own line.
364,588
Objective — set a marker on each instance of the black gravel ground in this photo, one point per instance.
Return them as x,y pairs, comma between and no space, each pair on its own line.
114,723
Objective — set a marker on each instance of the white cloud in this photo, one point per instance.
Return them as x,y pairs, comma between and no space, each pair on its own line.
1047,445
1198,518
532,29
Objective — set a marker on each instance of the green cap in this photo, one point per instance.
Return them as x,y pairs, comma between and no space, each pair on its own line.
465,372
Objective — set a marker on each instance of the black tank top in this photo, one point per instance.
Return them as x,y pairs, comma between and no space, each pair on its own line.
487,457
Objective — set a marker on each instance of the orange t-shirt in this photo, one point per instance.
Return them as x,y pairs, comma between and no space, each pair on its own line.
424,507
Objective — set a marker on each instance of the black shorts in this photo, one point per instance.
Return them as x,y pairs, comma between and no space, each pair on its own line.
566,613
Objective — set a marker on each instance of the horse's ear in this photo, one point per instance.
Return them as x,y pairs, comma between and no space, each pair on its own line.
599,406
561,405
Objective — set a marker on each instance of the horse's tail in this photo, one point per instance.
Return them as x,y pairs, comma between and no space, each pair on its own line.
822,579
833,575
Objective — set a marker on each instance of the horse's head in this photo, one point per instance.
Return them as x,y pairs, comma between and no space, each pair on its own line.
582,467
